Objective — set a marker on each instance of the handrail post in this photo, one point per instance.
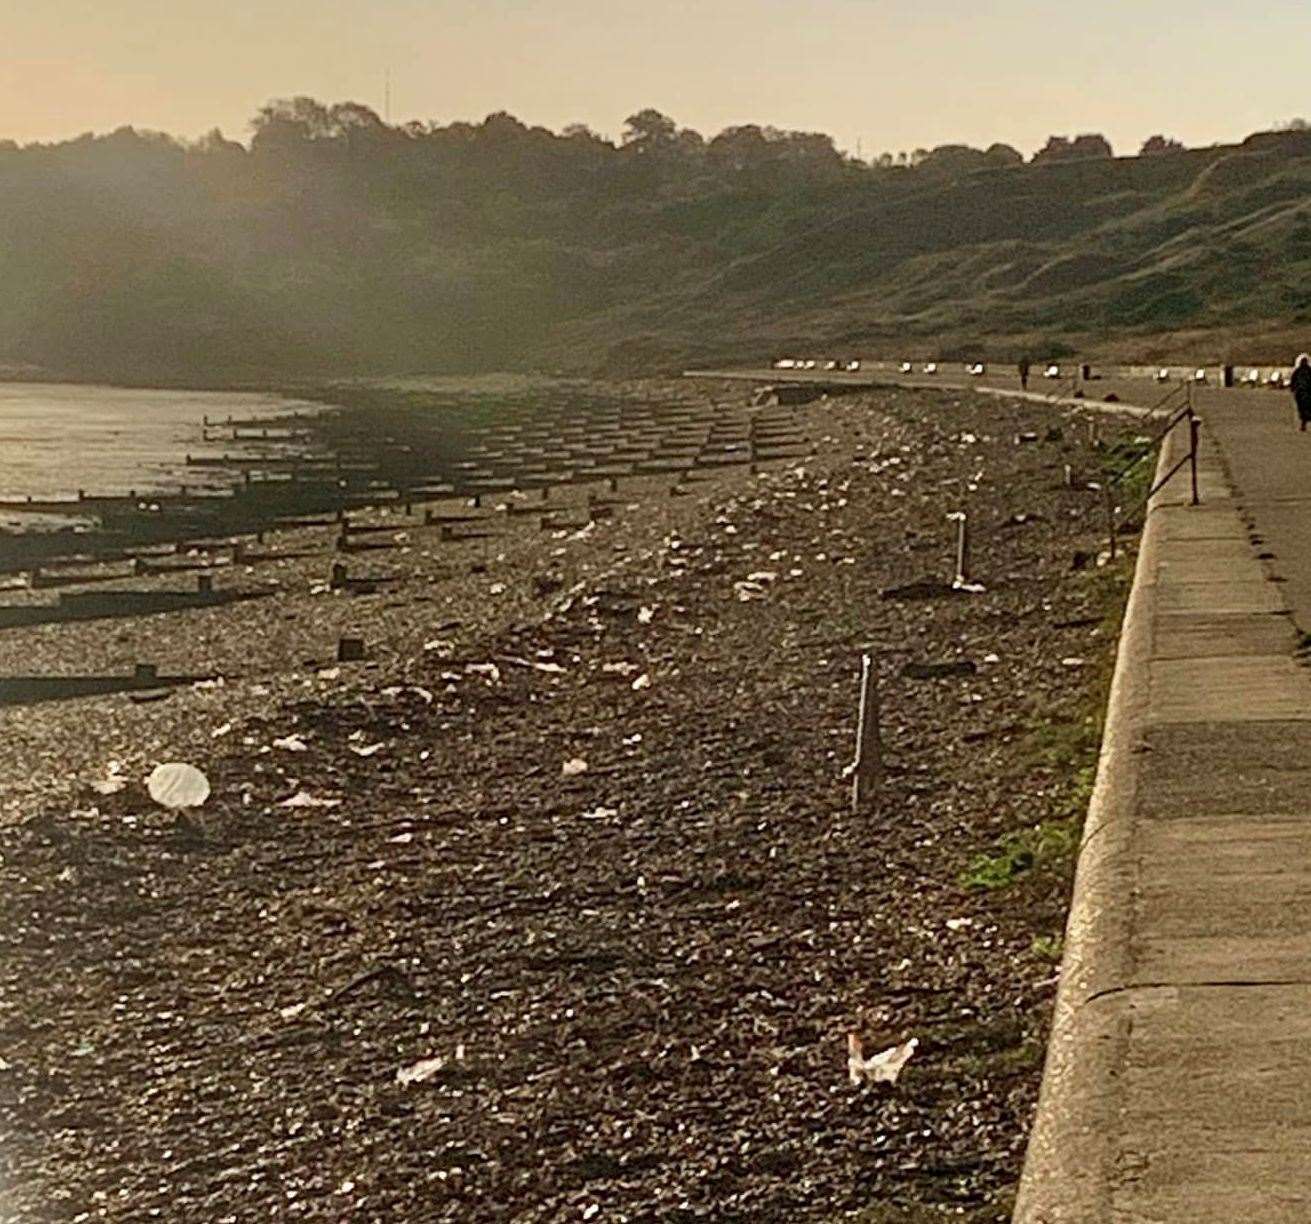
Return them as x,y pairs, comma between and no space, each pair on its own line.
1194,430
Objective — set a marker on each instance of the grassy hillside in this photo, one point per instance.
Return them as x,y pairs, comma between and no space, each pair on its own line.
334,244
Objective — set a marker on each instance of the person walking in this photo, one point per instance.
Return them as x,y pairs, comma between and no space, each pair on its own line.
1025,366
1300,386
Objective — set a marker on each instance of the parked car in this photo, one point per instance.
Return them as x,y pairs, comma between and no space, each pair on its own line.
1275,379
853,366
1052,371
1200,376
1252,377
1162,375
977,370
906,367
784,363
930,367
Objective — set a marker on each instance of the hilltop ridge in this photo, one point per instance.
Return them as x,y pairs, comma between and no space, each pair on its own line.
335,244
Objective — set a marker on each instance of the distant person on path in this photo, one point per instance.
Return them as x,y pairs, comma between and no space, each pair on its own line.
1300,385
1025,366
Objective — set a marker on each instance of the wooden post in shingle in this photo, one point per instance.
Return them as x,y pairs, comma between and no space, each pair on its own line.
867,769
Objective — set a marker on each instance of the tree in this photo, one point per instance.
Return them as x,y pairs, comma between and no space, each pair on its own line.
649,130
287,122
950,159
1062,148
1155,146
1004,155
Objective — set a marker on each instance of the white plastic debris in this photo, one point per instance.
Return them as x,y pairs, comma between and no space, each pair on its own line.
642,682
368,750
303,799
959,924
490,670
418,1072
600,813
497,588
645,616
881,1068
291,743
572,768
290,1013
112,782
175,785
1073,661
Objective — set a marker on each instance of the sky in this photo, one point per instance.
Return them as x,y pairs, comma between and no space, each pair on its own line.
878,75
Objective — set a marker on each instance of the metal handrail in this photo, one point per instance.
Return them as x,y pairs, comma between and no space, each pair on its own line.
1184,413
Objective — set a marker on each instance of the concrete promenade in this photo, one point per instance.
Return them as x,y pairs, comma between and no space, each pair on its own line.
1178,1081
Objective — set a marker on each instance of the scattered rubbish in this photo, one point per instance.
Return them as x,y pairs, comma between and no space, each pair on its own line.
303,799
112,782
881,1068
959,924
642,682
601,813
572,768
291,743
645,616
1074,661
368,751
176,785
419,1072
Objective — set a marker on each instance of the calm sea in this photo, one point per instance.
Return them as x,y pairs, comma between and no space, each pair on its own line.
58,438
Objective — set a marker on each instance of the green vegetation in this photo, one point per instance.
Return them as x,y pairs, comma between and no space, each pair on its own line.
1048,947
1048,843
335,243
1068,749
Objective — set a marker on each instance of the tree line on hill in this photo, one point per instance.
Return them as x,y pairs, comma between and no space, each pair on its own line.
333,240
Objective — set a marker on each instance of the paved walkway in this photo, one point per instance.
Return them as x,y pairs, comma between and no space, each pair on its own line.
1178,1085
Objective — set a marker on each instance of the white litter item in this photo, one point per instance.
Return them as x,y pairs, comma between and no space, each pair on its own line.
418,1072
645,615
881,1068
112,782
572,768
600,813
303,799
291,743
369,750
642,682
497,588
176,785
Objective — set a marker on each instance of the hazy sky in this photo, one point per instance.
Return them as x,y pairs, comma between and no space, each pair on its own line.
890,74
